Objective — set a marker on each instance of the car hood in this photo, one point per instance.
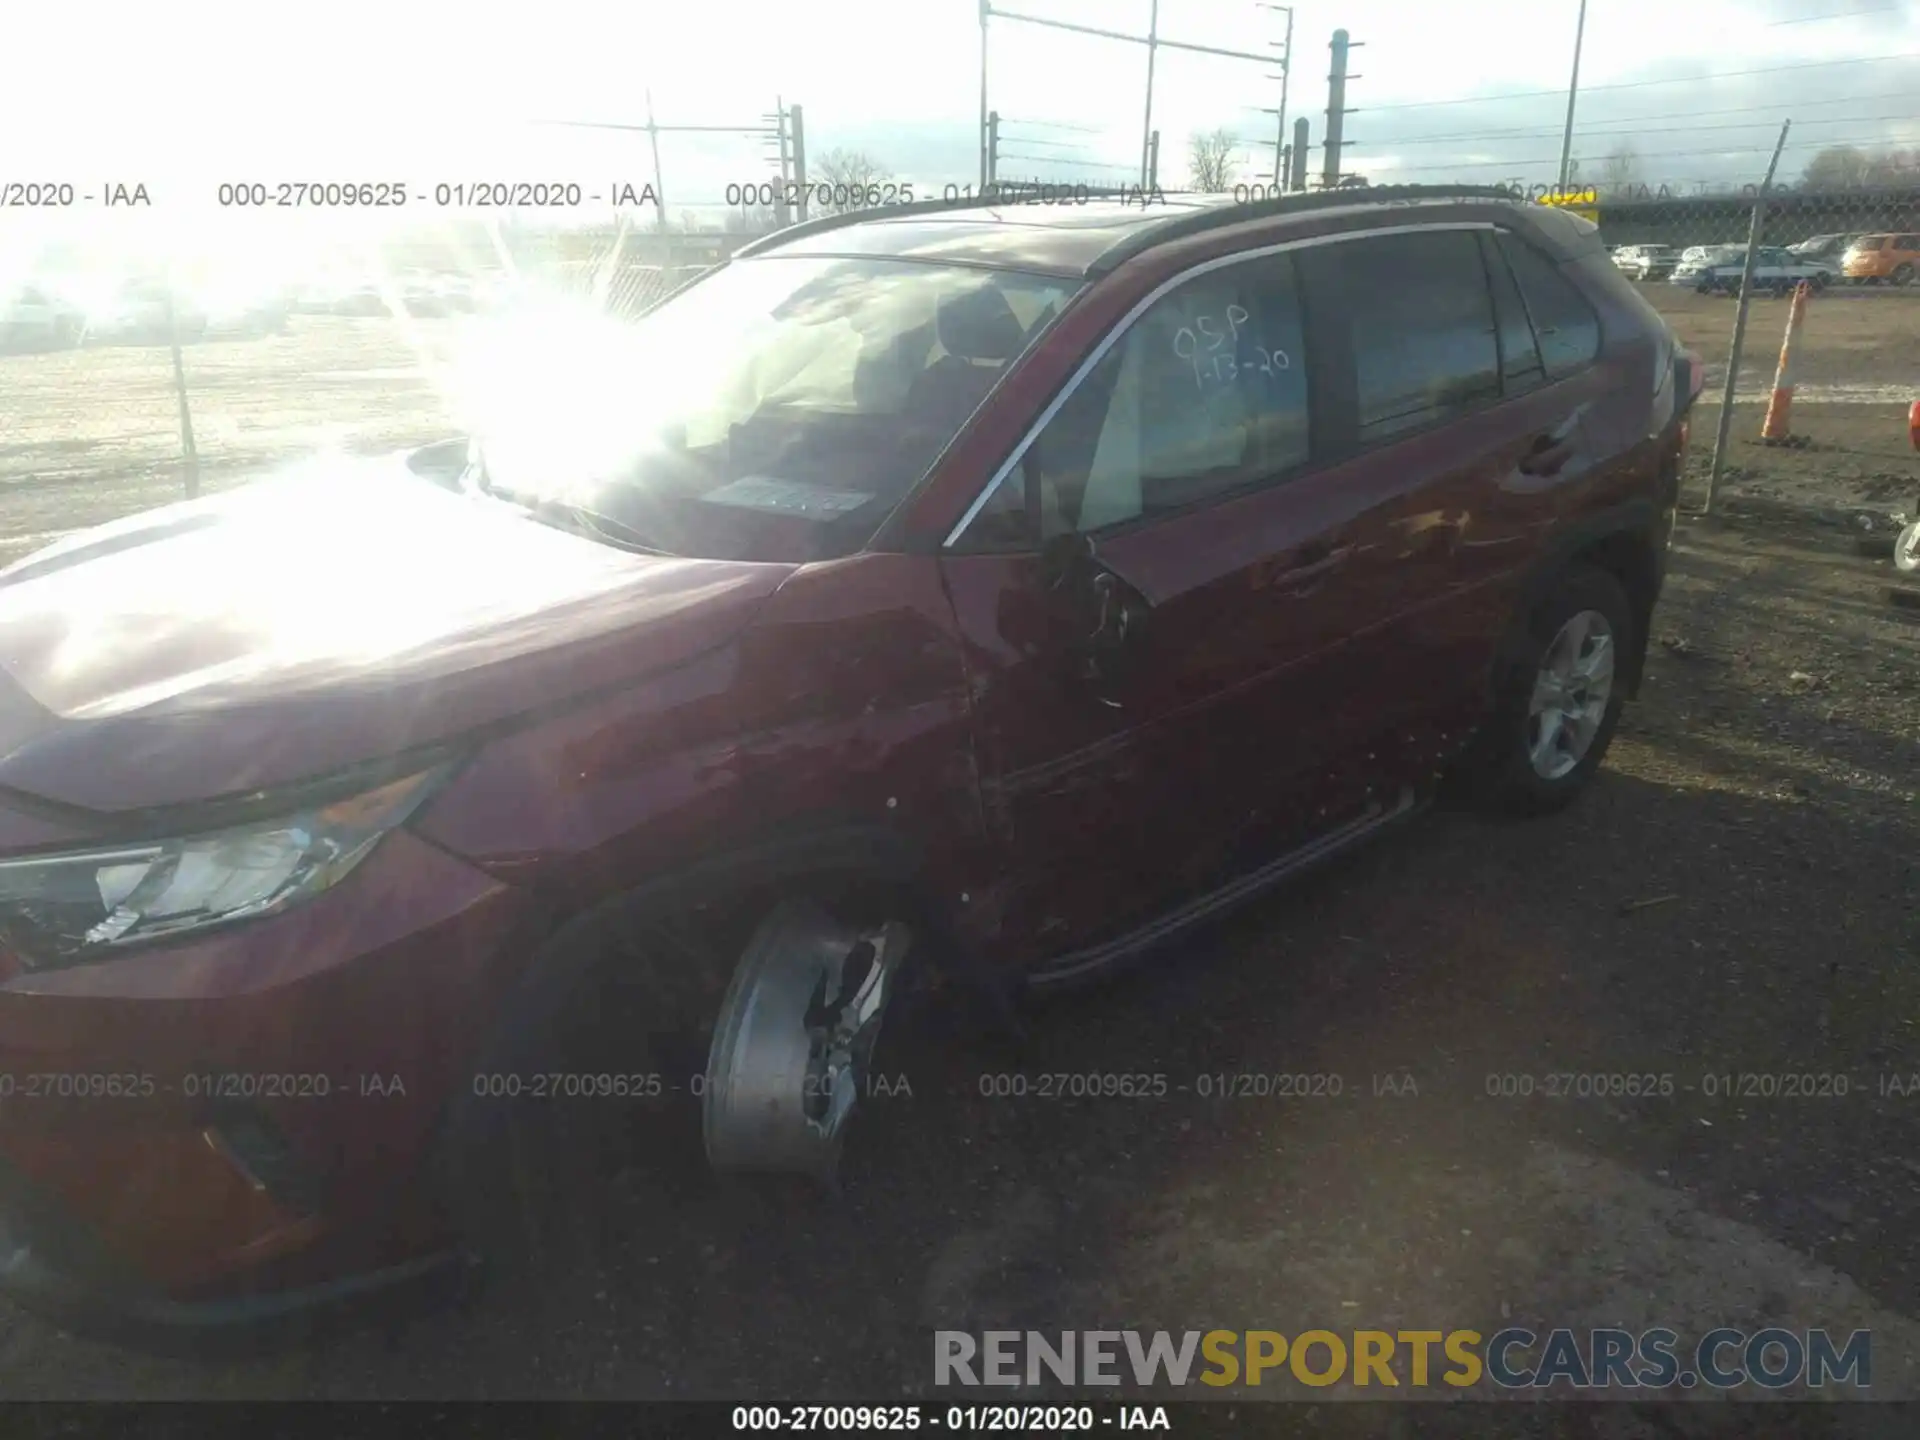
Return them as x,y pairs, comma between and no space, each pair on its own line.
316,621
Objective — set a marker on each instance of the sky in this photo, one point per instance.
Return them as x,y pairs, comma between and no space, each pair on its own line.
183,97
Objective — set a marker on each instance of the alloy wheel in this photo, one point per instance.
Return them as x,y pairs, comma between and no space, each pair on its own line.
1571,690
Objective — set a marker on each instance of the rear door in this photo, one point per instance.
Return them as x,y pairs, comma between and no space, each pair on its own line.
1468,419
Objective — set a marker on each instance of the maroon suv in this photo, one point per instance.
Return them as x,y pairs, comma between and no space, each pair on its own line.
952,601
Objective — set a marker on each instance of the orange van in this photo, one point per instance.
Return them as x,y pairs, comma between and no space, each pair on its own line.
1894,258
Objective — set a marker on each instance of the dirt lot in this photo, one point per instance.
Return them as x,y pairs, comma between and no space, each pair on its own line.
1856,372
1763,795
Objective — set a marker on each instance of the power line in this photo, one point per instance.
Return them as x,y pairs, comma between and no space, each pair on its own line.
1840,15
1606,134
1063,160
1641,84
1654,155
1773,110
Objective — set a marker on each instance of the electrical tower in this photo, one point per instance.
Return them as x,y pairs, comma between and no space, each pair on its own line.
1337,109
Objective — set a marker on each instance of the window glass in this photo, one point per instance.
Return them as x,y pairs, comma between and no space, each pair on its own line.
776,410
1520,366
1569,331
1206,392
1423,329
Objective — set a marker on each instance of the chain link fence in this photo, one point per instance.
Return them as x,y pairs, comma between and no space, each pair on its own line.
1841,447
158,395
99,422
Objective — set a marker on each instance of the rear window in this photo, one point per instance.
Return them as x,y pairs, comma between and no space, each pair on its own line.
1422,329
1867,242
1567,327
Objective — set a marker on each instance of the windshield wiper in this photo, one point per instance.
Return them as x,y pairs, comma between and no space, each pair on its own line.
581,519
567,514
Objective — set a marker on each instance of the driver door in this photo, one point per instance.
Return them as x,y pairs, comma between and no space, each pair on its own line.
1145,608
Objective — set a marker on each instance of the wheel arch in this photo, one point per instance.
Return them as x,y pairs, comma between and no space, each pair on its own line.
824,856
1623,541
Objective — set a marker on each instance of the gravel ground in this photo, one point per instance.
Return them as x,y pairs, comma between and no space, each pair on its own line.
1737,896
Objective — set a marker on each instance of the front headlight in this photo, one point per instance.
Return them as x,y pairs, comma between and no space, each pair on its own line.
58,910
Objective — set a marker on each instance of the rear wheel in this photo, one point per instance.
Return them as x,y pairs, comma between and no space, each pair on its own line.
1557,698
1902,274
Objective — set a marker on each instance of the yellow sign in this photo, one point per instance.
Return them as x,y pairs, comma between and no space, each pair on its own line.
1584,203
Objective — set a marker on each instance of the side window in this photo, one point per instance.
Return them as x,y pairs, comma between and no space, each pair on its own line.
1206,392
1423,329
1520,365
1569,330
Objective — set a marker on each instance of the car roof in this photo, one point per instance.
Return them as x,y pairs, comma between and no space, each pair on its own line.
1070,238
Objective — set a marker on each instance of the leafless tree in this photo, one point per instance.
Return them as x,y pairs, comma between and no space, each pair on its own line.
1210,162
1848,167
840,178
1622,167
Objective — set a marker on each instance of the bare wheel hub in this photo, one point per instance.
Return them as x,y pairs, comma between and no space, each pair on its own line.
794,1040
1570,694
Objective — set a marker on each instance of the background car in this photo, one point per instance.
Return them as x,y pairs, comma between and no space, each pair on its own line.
1775,271
1892,258
245,312
1828,248
1646,262
1696,260
36,318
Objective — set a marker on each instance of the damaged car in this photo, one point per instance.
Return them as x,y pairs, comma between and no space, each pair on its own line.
948,601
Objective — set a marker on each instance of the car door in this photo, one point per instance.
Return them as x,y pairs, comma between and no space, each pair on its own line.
1467,413
1150,596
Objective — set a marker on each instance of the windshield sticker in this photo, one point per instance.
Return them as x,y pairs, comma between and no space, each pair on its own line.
787,497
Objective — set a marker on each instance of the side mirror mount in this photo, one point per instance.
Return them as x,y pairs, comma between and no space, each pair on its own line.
1067,560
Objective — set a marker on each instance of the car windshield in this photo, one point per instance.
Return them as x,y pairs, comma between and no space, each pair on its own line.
777,409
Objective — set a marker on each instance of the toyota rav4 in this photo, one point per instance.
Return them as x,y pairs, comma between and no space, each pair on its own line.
948,602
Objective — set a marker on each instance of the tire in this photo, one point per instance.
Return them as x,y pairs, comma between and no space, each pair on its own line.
1902,274
527,1184
517,1175
1503,770
1906,550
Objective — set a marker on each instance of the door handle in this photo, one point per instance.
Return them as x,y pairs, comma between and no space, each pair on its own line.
1548,455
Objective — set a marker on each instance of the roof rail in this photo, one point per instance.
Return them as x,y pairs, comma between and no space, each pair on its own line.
854,217
1188,221
1195,222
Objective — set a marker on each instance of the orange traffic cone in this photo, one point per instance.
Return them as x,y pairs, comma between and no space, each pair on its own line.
1774,429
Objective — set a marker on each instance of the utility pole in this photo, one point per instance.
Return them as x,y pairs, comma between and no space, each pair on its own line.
782,216
986,9
1337,110
1280,162
1297,177
1573,93
993,147
659,185
1146,128
796,126
1153,164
